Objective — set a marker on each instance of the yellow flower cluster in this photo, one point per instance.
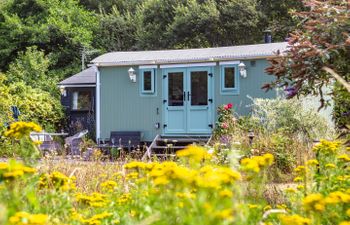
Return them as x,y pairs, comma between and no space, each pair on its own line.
195,153
13,170
327,147
21,129
256,163
93,200
344,158
172,173
57,180
24,218
294,219
337,197
124,198
94,220
109,185
314,202
139,165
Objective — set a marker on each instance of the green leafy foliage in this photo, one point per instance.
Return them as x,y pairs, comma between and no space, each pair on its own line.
57,27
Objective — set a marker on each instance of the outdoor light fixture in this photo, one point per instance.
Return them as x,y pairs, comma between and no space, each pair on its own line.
132,75
63,91
242,70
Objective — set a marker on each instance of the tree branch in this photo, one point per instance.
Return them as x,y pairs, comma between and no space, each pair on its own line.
337,77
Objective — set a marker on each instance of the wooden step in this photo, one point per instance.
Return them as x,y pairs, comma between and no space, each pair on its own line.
160,145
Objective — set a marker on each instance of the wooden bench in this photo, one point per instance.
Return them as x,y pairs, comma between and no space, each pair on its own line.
125,139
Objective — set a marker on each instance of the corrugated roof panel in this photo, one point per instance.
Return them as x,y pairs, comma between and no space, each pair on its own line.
190,55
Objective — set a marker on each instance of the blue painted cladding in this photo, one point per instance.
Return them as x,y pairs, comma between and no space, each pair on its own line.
124,109
249,86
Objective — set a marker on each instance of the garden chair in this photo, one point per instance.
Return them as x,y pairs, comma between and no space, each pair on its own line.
48,145
73,142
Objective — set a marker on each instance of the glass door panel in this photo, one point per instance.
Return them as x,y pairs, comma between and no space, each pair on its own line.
176,89
199,88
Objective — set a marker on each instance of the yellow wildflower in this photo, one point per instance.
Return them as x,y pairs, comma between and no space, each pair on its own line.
194,152
300,170
300,187
268,207
314,202
344,157
226,214
30,219
226,193
348,212
116,221
337,197
256,163
312,162
327,147
252,206
330,166
109,184
345,223
294,219
290,190
21,129
298,179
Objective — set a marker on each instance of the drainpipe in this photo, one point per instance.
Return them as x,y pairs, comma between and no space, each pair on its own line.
98,104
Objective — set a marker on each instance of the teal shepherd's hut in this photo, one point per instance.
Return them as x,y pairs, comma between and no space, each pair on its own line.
176,92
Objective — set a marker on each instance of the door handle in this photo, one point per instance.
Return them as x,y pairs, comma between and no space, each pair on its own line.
188,96
184,96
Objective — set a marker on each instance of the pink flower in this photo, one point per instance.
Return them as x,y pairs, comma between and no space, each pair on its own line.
224,125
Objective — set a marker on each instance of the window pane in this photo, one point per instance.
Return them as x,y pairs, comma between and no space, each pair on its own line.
81,100
176,89
147,81
199,88
229,77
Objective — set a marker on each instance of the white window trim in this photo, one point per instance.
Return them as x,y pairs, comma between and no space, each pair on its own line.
223,89
186,65
229,63
148,67
151,92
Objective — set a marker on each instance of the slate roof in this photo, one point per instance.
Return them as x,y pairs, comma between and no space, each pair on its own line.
190,55
85,77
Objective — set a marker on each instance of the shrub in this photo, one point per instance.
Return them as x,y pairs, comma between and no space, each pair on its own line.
290,117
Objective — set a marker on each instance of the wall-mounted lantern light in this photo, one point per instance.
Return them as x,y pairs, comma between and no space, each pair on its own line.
242,70
63,91
132,75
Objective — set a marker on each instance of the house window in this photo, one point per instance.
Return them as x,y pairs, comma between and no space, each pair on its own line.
147,82
81,100
229,80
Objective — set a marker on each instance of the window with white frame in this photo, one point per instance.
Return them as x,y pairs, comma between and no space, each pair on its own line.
229,79
147,81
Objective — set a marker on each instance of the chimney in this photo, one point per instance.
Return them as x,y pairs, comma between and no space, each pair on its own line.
267,36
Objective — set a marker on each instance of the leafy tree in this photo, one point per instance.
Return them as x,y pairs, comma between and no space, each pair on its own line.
31,67
116,32
123,6
319,53
59,27
194,25
278,16
239,22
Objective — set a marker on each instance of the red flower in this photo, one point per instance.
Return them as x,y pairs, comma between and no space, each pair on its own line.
228,106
